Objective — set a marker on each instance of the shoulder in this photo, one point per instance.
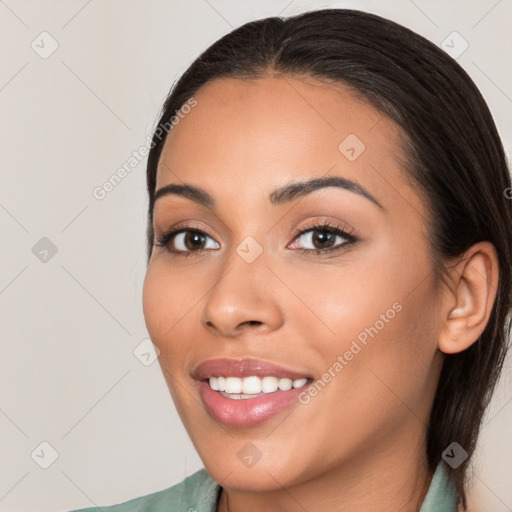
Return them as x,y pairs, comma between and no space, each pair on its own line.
196,493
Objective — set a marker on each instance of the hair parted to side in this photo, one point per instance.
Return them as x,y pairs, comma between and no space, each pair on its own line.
454,156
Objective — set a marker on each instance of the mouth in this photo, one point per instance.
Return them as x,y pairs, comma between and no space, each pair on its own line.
243,393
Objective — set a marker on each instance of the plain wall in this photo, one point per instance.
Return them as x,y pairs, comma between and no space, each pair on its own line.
69,325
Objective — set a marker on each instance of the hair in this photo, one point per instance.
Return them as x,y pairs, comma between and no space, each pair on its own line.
454,156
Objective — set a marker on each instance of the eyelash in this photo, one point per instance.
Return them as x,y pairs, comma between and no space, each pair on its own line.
327,227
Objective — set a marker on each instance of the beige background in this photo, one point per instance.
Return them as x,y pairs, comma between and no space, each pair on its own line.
69,325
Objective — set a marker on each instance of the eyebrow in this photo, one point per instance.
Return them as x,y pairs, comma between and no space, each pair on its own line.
279,196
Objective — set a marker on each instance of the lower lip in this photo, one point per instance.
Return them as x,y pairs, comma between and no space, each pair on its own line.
246,412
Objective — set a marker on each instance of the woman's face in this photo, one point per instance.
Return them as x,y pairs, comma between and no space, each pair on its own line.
357,314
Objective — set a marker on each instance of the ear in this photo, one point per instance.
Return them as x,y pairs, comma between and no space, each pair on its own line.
470,300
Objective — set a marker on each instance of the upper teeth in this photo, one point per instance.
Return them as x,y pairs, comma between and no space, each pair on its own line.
253,385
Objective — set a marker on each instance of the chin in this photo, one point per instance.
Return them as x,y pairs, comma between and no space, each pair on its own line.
247,479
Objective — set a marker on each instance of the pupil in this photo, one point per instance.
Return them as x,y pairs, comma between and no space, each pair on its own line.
194,240
324,238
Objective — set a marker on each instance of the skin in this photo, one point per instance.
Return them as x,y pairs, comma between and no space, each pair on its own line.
301,310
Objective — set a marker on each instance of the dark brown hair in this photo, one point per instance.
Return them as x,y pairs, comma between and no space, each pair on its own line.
454,156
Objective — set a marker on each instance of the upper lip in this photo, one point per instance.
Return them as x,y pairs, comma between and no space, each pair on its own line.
243,368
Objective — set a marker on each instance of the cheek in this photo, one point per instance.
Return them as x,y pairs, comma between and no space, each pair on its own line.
168,298
382,320
350,299
169,301
388,356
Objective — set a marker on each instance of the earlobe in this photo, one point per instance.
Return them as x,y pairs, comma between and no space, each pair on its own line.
471,299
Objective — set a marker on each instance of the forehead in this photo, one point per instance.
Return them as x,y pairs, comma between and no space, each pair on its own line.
262,133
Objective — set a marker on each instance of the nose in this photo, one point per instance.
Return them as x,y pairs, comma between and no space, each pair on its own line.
242,300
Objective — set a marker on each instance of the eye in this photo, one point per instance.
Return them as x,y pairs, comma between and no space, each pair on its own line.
321,238
183,240
318,238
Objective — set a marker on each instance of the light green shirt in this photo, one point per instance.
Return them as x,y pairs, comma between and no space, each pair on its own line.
199,493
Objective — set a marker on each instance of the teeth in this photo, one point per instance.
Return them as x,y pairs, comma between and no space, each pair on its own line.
251,385
248,386
299,383
233,385
214,383
269,384
285,384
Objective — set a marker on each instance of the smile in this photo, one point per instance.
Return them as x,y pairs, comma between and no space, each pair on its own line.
244,393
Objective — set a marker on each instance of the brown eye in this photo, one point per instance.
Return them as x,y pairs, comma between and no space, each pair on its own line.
322,239
187,240
193,240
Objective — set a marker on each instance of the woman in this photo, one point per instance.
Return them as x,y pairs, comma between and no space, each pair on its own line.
329,283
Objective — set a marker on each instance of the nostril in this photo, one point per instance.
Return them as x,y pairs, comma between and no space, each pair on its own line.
253,322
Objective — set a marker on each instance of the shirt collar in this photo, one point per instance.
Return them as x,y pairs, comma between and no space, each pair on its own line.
441,495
